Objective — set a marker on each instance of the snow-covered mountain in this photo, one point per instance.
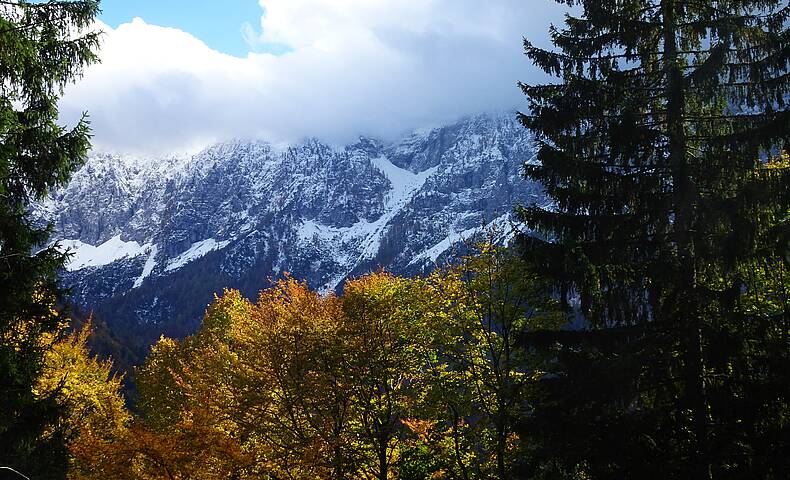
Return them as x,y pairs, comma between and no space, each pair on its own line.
155,238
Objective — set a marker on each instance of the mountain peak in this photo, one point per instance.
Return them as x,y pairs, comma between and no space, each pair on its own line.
241,211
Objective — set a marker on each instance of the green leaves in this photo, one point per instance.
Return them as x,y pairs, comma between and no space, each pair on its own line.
43,47
663,230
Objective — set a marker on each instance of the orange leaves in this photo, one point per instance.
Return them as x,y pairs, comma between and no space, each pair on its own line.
421,428
262,375
308,386
189,450
364,385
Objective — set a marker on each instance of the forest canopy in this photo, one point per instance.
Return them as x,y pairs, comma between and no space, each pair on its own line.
395,378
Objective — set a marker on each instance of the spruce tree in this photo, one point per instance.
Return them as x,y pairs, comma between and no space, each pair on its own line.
42,48
663,147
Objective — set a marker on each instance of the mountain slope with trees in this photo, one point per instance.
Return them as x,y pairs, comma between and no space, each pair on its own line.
155,239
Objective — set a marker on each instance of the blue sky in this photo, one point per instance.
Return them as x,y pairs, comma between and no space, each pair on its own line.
218,23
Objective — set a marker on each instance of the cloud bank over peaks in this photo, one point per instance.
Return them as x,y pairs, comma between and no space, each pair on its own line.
339,69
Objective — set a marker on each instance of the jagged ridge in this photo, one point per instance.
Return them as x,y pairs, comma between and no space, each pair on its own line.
154,238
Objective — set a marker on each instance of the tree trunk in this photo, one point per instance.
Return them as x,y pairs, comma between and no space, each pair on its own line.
457,443
500,453
684,209
383,458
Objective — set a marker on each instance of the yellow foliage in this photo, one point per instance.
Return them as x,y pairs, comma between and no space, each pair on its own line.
300,385
782,160
85,386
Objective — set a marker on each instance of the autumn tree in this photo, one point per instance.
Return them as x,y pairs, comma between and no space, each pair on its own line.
95,417
304,385
482,377
187,390
386,345
304,363
269,376
395,378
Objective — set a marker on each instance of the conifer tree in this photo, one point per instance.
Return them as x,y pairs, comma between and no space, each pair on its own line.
41,50
656,147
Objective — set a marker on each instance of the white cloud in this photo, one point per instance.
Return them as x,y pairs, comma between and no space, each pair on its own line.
353,67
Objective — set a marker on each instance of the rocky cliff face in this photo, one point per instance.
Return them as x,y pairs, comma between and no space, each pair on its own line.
155,238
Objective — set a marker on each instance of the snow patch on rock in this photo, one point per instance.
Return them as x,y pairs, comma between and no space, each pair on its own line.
365,236
500,225
403,182
150,263
86,255
311,230
197,250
